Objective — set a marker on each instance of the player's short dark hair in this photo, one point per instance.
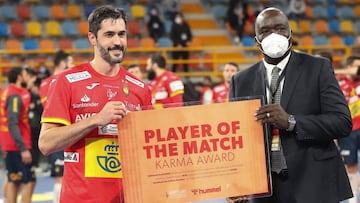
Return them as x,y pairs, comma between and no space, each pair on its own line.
234,64
351,60
37,82
132,66
104,12
13,74
326,54
60,55
31,71
159,60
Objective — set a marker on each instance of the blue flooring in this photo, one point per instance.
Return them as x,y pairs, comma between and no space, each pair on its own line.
43,190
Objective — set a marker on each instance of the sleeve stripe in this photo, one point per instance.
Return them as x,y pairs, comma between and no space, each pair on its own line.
15,105
55,120
43,100
176,93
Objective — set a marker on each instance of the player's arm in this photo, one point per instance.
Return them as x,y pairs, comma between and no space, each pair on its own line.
13,108
56,137
176,92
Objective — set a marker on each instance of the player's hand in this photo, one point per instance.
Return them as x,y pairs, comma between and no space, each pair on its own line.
273,114
237,199
26,157
113,110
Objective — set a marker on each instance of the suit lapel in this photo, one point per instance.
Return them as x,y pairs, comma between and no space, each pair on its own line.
260,88
292,74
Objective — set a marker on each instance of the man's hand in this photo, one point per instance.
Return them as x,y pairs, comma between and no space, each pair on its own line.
26,157
113,110
273,114
237,199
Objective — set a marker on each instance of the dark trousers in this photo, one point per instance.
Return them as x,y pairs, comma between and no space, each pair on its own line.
183,55
35,152
281,193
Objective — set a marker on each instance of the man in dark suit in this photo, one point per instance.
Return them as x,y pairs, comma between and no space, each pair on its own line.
311,113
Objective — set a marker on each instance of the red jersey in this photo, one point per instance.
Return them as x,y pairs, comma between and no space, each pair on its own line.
44,88
8,143
167,91
92,165
351,90
220,93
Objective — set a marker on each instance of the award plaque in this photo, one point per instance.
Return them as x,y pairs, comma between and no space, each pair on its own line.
194,153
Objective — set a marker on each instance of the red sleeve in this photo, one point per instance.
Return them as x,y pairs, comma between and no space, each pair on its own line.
175,88
43,91
176,101
147,103
58,108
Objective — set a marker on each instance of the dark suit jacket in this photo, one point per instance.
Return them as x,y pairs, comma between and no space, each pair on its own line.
316,173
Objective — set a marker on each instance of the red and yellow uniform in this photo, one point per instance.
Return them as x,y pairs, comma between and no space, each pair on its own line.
92,165
220,93
351,90
44,88
8,143
167,91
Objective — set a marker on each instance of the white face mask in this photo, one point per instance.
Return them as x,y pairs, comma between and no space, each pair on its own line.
178,20
275,45
153,12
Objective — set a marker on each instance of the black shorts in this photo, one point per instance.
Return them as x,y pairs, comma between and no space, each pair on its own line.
56,161
17,171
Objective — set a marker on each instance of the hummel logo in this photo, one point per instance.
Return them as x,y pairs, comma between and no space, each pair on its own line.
92,86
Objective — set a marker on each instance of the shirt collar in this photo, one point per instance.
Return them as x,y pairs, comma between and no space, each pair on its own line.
280,65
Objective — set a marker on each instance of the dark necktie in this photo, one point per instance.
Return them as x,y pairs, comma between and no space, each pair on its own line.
278,161
275,86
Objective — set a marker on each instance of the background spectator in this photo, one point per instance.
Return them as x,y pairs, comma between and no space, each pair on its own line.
181,37
167,89
296,9
220,93
34,113
171,8
350,145
135,70
155,25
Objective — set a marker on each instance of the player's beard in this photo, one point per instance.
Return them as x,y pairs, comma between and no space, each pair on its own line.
151,74
105,54
23,83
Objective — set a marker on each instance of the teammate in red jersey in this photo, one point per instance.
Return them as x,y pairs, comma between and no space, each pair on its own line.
16,136
62,62
349,146
135,70
167,89
85,103
221,91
